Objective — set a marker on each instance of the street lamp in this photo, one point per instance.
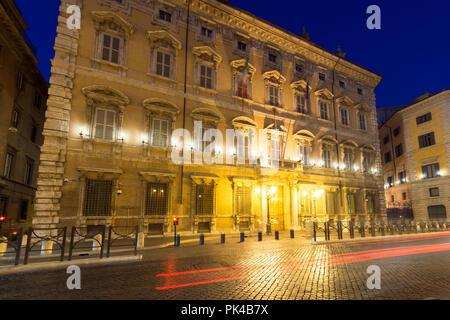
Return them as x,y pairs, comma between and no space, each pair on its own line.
270,193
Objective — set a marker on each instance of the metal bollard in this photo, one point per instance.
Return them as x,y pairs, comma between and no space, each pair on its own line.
314,229
277,235
292,233
259,236
202,239
222,238
242,237
177,240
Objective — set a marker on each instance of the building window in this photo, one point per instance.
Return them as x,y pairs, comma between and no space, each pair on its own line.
37,101
204,199
105,121
33,133
23,213
15,117
387,157
390,181
427,140
3,206
272,58
326,156
243,201
165,16
324,110
97,197
360,91
366,162
28,175
300,101
298,68
370,204
330,202
434,192
157,199
386,140
396,132
404,196
20,80
242,46
9,164
163,64
207,33
362,121
399,150
402,177
348,159
342,84
431,171
274,95
303,153
321,76
111,48
424,118
344,117
351,203
160,134
392,198
206,77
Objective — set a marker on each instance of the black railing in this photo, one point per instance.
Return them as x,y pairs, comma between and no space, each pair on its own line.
78,238
13,240
114,236
55,236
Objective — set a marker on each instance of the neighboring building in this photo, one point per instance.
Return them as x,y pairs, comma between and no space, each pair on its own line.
117,94
23,93
415,148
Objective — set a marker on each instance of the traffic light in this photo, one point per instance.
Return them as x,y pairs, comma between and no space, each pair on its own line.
2,218
175,221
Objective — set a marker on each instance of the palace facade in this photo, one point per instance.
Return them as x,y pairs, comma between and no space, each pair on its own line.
139,69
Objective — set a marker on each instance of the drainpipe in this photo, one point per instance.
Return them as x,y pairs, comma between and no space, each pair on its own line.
180,195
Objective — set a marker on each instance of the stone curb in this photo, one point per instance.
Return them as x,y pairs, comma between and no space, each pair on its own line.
54,265
370,238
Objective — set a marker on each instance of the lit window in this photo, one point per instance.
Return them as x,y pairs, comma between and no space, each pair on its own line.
431,171
160,134
326,156
348,160
157,199
105,124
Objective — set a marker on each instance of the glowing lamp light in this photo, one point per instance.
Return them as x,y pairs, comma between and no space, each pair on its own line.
318,193
272,190
304,193
258,190
83,132
356,168
144,139
2,219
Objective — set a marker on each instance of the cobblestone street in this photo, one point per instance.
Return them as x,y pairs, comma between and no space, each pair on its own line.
412,267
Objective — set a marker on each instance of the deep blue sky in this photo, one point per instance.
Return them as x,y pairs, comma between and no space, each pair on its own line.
411,51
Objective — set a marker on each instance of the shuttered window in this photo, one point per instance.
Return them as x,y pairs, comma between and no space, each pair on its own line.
160,132
243,201
206,77
157,199
97,197
204,199
111,48
163,63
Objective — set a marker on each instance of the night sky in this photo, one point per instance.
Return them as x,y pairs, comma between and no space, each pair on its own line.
411,51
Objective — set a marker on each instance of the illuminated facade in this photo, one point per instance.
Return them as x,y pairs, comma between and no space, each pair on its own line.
125,81
415,147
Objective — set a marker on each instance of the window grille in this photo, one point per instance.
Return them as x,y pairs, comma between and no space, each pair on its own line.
97,197
204,199
157,199
243,201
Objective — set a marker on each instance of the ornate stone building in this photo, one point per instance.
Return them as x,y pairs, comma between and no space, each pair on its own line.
23,92
415,146
139,69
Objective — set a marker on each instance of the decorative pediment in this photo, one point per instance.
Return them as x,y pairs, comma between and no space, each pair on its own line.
158,176
274,76
204,178
240,65
243,122
349,144
208,115
304,135
106,96
344,101
363,107
324,94
205,52
164,38
368,147
159,106
300,85
113,21
328,139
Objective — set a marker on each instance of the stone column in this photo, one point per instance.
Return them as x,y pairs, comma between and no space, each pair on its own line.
294,224
56,127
